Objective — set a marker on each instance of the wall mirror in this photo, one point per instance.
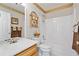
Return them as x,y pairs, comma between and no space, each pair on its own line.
14,20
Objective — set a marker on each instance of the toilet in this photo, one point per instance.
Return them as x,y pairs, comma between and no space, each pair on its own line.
44,50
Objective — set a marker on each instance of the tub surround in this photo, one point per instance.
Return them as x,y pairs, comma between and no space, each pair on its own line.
7,49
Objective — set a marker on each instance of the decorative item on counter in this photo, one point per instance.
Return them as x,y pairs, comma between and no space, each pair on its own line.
37,34
14,40
34,19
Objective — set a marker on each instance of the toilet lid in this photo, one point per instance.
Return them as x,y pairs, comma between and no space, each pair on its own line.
44,46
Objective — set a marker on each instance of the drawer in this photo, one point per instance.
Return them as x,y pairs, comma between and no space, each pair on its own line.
28,52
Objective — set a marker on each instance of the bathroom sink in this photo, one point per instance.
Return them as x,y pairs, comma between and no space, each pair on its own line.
12,40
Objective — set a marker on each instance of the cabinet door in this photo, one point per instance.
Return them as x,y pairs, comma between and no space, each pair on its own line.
4,25
32,51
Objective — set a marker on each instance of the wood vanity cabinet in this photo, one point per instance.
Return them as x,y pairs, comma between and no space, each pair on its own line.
75,39
32,51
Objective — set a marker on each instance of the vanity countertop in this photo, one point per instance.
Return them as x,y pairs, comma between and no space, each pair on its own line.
7,49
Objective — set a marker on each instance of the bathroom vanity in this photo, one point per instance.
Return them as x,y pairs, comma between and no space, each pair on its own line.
31,51
23,47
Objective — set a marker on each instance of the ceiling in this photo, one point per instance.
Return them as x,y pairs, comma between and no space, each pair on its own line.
50,7
47,6
14,6
55,9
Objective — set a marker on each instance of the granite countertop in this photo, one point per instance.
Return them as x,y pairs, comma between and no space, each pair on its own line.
7,49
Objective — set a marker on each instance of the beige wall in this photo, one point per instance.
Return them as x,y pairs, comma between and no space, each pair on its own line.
16,15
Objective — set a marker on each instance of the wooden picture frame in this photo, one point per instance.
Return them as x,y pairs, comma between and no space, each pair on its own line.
14,20
34,20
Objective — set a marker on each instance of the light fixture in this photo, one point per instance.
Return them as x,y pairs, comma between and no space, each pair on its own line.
23,4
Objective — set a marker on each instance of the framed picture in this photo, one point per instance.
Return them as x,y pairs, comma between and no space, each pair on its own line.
34,20
14,20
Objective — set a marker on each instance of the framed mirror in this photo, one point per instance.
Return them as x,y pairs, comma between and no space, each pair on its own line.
14,20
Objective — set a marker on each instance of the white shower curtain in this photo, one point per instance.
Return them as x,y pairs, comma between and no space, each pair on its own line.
59,35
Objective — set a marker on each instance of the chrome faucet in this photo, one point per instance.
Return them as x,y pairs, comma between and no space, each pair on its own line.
11,40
